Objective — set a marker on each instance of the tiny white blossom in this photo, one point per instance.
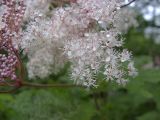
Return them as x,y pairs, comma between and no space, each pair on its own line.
125,55
131,69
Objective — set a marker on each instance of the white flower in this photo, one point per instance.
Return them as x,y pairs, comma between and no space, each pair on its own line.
131,69
125,55
1,25
71,35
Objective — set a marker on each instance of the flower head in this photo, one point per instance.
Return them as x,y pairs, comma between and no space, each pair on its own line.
84,33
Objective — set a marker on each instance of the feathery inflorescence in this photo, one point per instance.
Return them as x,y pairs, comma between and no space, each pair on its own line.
85,33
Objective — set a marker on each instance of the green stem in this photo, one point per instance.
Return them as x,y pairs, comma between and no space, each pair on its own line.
36,85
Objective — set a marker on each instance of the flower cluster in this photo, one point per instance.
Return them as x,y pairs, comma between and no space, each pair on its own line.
34,5
85,33
9,33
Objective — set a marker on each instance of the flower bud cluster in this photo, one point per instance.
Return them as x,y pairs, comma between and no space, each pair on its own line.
12,19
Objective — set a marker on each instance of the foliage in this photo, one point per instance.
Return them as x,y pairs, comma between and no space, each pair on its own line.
139,100
155,49
138,44
137,40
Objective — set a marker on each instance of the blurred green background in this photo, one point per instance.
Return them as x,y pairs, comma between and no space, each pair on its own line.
138,100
